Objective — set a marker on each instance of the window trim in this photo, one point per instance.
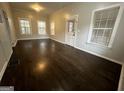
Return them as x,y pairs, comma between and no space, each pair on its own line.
120,12
29,24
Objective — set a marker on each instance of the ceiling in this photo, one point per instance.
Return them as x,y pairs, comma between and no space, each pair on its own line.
48,7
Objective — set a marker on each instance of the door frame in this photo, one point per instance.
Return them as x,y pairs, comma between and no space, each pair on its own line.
75,17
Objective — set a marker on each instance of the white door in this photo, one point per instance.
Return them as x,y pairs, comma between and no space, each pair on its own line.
71,30
5,44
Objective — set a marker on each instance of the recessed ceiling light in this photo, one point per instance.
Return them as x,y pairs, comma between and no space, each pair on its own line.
37,7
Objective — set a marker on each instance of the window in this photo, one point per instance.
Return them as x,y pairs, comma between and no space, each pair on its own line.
25,26
104,25
41,27
52,28
70,25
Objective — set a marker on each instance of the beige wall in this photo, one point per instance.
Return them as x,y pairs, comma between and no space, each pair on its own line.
5,44
7,9
84,10
34,17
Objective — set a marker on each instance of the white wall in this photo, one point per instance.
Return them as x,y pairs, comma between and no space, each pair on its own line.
5,42
84,10
6,7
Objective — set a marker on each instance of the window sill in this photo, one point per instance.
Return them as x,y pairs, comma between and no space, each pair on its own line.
99,45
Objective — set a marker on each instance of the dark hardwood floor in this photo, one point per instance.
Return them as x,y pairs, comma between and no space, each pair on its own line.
49,65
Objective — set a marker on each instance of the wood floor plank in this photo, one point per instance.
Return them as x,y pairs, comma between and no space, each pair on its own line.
49,65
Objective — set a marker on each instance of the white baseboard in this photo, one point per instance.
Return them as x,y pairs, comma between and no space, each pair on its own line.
57,41
14,44
121,84
96,54
32,38
28,39
4,67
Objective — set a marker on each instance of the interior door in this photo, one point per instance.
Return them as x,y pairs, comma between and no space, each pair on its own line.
71,30
5,44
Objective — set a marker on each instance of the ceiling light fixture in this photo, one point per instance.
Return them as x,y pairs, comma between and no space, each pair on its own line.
37,7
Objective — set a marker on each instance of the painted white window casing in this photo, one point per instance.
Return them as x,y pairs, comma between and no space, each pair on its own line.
104,25
25,26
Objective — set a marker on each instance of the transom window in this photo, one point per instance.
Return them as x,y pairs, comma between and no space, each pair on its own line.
25,26
41,27
103,25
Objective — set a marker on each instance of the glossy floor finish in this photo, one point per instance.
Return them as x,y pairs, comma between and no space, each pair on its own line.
49,65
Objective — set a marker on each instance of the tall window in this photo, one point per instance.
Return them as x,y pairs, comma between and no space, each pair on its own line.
52,28
25,26
41,27
103,25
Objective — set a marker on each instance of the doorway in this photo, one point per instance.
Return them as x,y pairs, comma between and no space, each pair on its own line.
5,44
6,22
71,30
